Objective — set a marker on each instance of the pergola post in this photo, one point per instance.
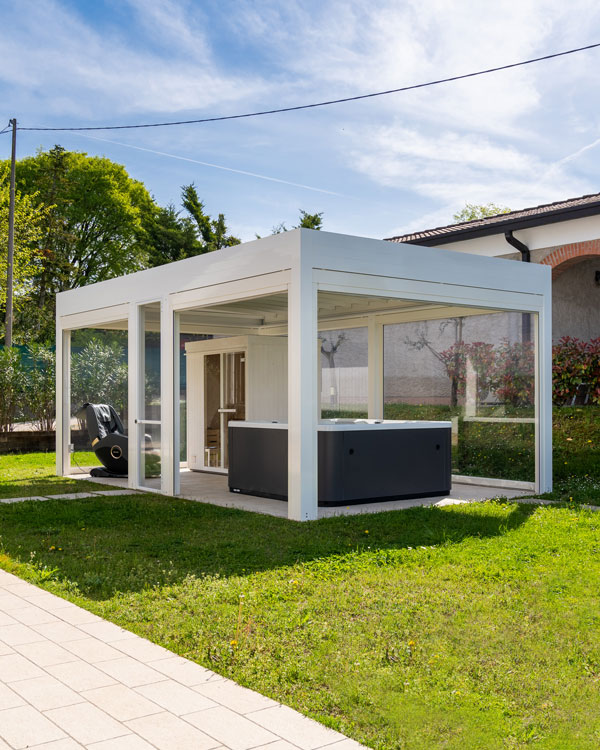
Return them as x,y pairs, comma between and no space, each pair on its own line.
167,393
302,395
375,368
135,365
63,400
543,401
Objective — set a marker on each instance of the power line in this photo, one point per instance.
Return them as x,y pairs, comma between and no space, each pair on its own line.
325,103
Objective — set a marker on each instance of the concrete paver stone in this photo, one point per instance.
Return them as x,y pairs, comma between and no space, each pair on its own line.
167,732
24,726
231,729
67,744
297,729
46,692
86,723
229,693
45,653
31,615
59,632
130,671
79,675
92,650
8,698
16,667
122,702
184,671
13,635
128,742
175,697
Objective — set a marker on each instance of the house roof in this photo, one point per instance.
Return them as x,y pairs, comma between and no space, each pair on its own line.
547,213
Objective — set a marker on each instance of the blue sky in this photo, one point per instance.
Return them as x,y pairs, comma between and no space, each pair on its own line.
376,167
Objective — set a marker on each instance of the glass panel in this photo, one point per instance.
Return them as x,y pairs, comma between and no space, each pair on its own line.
234,395
212,416
150,406
344,373
183,388
150,455
477,371
98,376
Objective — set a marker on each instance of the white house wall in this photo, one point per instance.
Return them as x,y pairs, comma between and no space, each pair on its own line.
536,238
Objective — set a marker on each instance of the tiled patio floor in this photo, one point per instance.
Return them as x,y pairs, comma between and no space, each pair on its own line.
70,680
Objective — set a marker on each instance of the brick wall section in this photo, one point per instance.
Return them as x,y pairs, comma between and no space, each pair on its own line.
567,255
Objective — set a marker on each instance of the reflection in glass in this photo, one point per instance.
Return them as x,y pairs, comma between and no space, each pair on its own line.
477,371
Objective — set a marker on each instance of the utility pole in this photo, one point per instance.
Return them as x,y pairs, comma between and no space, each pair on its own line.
11,239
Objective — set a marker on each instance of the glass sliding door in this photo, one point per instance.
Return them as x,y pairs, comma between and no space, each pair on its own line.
224,400
148,418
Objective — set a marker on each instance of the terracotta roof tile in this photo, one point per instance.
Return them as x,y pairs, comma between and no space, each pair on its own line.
501,222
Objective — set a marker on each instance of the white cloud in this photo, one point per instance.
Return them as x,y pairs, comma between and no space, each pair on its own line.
59,64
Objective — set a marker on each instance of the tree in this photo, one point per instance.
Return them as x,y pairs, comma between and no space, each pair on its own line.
329,347
213,232
29,214
91,232
11,386
168,236
472,211
307,221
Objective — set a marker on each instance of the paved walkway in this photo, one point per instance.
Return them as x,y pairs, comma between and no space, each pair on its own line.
70,680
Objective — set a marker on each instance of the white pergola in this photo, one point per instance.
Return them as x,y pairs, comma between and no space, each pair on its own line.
297,283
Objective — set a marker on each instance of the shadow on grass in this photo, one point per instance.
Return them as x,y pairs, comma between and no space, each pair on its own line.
130,543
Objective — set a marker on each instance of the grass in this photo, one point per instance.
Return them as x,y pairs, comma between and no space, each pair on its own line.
463,627
27,474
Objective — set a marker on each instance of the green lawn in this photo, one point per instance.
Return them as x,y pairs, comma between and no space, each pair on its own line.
463,627
23,475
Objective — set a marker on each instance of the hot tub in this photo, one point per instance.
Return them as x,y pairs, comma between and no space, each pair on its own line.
360,460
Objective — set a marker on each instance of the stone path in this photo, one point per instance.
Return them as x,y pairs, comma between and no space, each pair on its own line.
68,496
70,680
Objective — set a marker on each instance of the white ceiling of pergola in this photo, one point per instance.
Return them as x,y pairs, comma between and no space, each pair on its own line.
271,312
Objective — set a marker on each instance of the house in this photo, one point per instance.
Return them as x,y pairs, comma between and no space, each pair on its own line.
259,312
564,236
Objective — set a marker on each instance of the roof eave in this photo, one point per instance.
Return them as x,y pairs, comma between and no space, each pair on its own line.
500,227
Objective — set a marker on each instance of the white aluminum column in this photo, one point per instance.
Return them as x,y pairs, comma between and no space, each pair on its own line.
63,401
135,363
302,394
167,393
375,368
543,399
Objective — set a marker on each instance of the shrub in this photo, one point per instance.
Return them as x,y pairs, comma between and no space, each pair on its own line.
11,386
575,362
99,375
513,376
39,386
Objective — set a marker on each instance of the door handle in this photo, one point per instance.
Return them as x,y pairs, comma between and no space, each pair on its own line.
226,411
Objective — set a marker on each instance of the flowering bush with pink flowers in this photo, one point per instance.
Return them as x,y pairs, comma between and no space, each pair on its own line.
575,362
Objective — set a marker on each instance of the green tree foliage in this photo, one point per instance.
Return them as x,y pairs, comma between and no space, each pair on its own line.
213,232
29,215
11,386
472,211
99,375
40,385
307,221
92,231
169,236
